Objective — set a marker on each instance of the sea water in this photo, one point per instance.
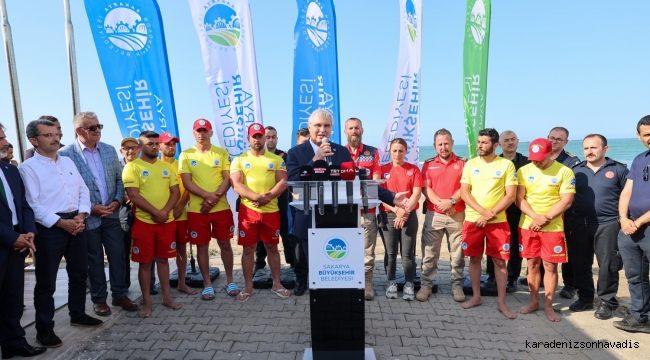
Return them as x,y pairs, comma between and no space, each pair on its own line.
623,150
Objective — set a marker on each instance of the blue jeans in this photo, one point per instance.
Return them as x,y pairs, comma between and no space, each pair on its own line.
108,236
635,252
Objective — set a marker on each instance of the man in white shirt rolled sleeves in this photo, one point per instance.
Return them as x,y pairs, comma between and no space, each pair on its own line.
61,202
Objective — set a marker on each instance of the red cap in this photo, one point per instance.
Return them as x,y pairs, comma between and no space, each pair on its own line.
202,124
538,149
167,137
256,128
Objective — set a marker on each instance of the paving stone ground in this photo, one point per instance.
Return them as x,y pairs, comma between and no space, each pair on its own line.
267,327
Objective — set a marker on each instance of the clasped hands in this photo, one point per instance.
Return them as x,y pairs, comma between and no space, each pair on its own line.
73,226
446,206
25,242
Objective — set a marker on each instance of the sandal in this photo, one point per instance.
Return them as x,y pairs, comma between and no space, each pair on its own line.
230,288
209,291
243,297
282,293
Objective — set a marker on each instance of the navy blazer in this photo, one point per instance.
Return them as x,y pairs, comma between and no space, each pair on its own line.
24,212
302,155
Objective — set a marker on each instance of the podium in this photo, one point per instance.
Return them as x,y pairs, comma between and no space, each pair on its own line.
336,267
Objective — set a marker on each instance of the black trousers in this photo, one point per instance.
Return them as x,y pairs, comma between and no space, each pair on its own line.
287,242
12,286
301,263
53,244
514,264
127,256
568,275
601,240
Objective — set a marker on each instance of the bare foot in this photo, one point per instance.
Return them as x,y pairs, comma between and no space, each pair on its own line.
532,307
506,311
474,301
172,304
145,312
551,314
186,289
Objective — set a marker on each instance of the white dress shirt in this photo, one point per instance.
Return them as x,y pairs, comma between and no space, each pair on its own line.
10,198
53,187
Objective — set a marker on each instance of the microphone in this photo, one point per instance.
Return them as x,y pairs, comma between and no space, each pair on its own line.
363,175
335,177
321,173
306,174
348,175
327,158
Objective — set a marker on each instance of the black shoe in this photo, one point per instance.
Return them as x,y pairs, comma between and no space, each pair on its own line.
604,311
257,268
522,281
25,351
85,320
511,286
153,290
490,283
568,292
581,305
301,287
48,339
630,324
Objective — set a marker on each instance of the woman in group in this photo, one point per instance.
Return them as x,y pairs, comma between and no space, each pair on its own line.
401,225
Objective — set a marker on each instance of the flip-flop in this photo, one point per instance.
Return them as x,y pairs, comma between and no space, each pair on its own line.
243,297
282,293
230,288
208,291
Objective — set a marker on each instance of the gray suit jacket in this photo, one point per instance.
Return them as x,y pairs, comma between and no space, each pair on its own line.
113,171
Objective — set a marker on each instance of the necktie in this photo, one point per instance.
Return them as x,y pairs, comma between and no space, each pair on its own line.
2,190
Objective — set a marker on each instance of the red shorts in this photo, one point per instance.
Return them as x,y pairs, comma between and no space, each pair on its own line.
255,226
550,246
151,240
203,227
497,244
182,233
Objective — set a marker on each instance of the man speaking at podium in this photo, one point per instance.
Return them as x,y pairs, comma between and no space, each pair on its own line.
320,127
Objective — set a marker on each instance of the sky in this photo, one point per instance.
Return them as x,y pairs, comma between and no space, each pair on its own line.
581,65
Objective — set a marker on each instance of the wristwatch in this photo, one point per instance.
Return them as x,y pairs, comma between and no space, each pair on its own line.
453,201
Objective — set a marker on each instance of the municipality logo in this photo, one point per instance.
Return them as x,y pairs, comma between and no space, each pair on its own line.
193,234
316,25
477,22
145,173
194,163
411,20
464,246
557,249
336,248
222,25
165,173
126,28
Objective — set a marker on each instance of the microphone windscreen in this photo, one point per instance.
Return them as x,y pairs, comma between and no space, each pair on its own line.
348,171
326,141
363,174
321,172
306,173
335,173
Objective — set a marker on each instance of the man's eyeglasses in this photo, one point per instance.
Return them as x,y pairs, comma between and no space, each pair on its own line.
553,139
130,148
93,127
645,173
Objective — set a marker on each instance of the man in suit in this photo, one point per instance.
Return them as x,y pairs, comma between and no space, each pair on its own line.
101,171
17,229
320,127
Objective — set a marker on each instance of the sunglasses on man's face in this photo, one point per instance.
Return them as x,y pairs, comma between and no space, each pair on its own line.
93,127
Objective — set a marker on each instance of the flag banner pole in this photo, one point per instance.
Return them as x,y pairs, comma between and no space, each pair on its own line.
404,119
130,43
72,61
315,65
225,30
13,79
475,68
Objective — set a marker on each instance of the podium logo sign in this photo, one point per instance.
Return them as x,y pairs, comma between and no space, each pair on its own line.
336,248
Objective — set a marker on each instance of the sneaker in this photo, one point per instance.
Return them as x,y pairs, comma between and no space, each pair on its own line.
604,311
632,325
459,295
85,320
568,292
48,338
391,292
409,292
424,293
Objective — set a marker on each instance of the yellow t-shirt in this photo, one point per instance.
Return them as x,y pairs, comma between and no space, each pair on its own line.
259,176
153,181
488,183
205,169
181,190
543,189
